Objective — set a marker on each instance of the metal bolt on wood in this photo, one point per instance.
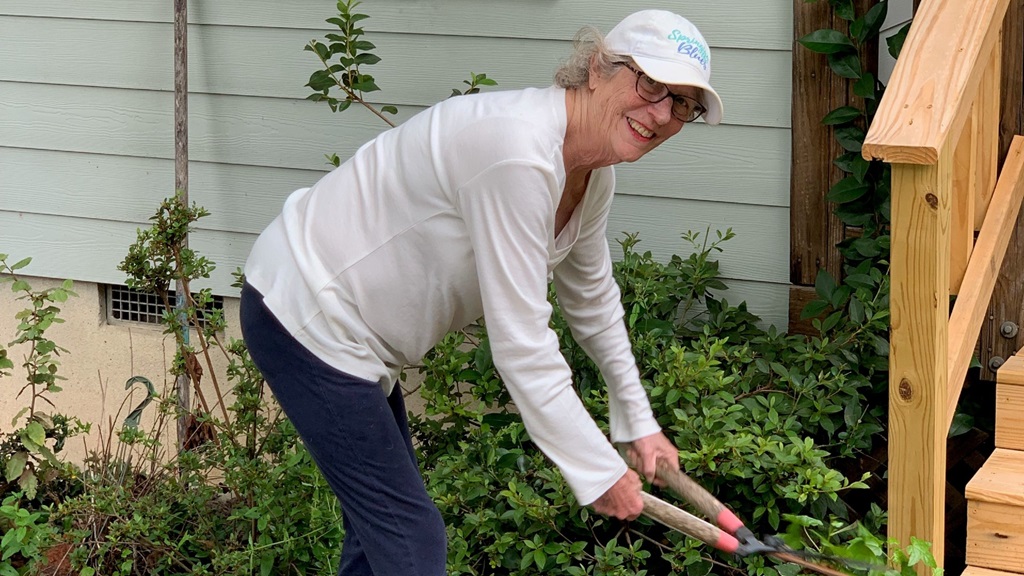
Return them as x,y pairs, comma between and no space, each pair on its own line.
1008,329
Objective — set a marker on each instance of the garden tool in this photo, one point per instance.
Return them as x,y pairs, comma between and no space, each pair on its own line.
728,532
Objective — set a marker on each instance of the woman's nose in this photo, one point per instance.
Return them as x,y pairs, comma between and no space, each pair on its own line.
662,111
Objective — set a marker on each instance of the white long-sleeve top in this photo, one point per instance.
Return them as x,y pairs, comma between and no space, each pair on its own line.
442,220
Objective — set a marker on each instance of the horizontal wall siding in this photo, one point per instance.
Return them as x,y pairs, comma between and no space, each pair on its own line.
273,63
58,243
743,164
86,120
755,24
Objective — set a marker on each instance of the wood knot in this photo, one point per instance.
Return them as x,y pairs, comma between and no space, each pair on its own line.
906,390
932,200
1002,536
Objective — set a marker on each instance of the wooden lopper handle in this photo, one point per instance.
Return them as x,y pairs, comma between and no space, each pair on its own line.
701,499
681,520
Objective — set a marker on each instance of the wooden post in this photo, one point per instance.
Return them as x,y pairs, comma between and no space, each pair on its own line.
921,205
183,383
814,229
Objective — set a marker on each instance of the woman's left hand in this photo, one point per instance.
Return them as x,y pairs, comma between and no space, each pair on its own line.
644,454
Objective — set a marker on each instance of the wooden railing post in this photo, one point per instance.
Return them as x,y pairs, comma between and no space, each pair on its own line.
927,105
919,304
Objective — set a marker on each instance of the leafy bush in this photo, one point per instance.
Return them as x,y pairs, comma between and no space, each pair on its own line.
241,495
25,532
761,419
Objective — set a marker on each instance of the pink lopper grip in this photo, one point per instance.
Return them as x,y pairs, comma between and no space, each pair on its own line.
727,543
728,521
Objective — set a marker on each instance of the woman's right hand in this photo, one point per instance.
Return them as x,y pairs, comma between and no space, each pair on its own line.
623,499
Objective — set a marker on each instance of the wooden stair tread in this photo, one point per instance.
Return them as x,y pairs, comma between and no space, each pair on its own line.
975,571
1012,371
1000,480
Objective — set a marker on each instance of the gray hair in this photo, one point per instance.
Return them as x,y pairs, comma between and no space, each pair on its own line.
586,44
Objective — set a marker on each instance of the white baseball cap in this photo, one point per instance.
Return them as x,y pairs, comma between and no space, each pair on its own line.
669,49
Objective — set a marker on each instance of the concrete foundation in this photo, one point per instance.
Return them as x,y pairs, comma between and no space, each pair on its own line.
101,356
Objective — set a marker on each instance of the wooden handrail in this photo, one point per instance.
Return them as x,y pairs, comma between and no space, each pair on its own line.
982,272
934,90
930,91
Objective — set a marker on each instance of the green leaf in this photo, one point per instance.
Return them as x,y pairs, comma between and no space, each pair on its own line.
322,50
847,190
845,10
21,264
859,281
856,28
826,41
14,421
845,64
845,161
895,42
363,45
851,138
367,58
365,84
857,311
16,465
28,483
861,165
873,21
824,284
321,80
35,432
389,109
962,424
865,87
841,115
20,286
867,247
852,216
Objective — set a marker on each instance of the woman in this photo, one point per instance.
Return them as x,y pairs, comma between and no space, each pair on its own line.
461,212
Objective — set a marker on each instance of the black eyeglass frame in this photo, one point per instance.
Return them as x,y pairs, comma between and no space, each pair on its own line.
697,106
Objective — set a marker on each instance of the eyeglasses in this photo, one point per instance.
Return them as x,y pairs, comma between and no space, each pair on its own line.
684,108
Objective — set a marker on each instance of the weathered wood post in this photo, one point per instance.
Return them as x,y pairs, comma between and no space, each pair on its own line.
181,185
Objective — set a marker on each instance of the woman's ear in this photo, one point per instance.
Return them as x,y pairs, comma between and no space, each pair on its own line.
594,76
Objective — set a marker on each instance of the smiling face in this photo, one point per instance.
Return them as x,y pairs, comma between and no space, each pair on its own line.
629,126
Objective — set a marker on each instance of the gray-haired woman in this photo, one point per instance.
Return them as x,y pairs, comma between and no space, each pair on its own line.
464,211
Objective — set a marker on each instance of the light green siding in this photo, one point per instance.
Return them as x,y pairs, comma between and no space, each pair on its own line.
86,118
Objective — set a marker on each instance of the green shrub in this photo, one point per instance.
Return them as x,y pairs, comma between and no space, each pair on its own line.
247,500
25,533
760,419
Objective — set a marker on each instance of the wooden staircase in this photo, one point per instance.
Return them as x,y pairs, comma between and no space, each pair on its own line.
995,513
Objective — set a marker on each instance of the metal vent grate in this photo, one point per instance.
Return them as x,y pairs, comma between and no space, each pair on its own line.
126,304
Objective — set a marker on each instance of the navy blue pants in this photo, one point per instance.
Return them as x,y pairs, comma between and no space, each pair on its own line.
359,438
